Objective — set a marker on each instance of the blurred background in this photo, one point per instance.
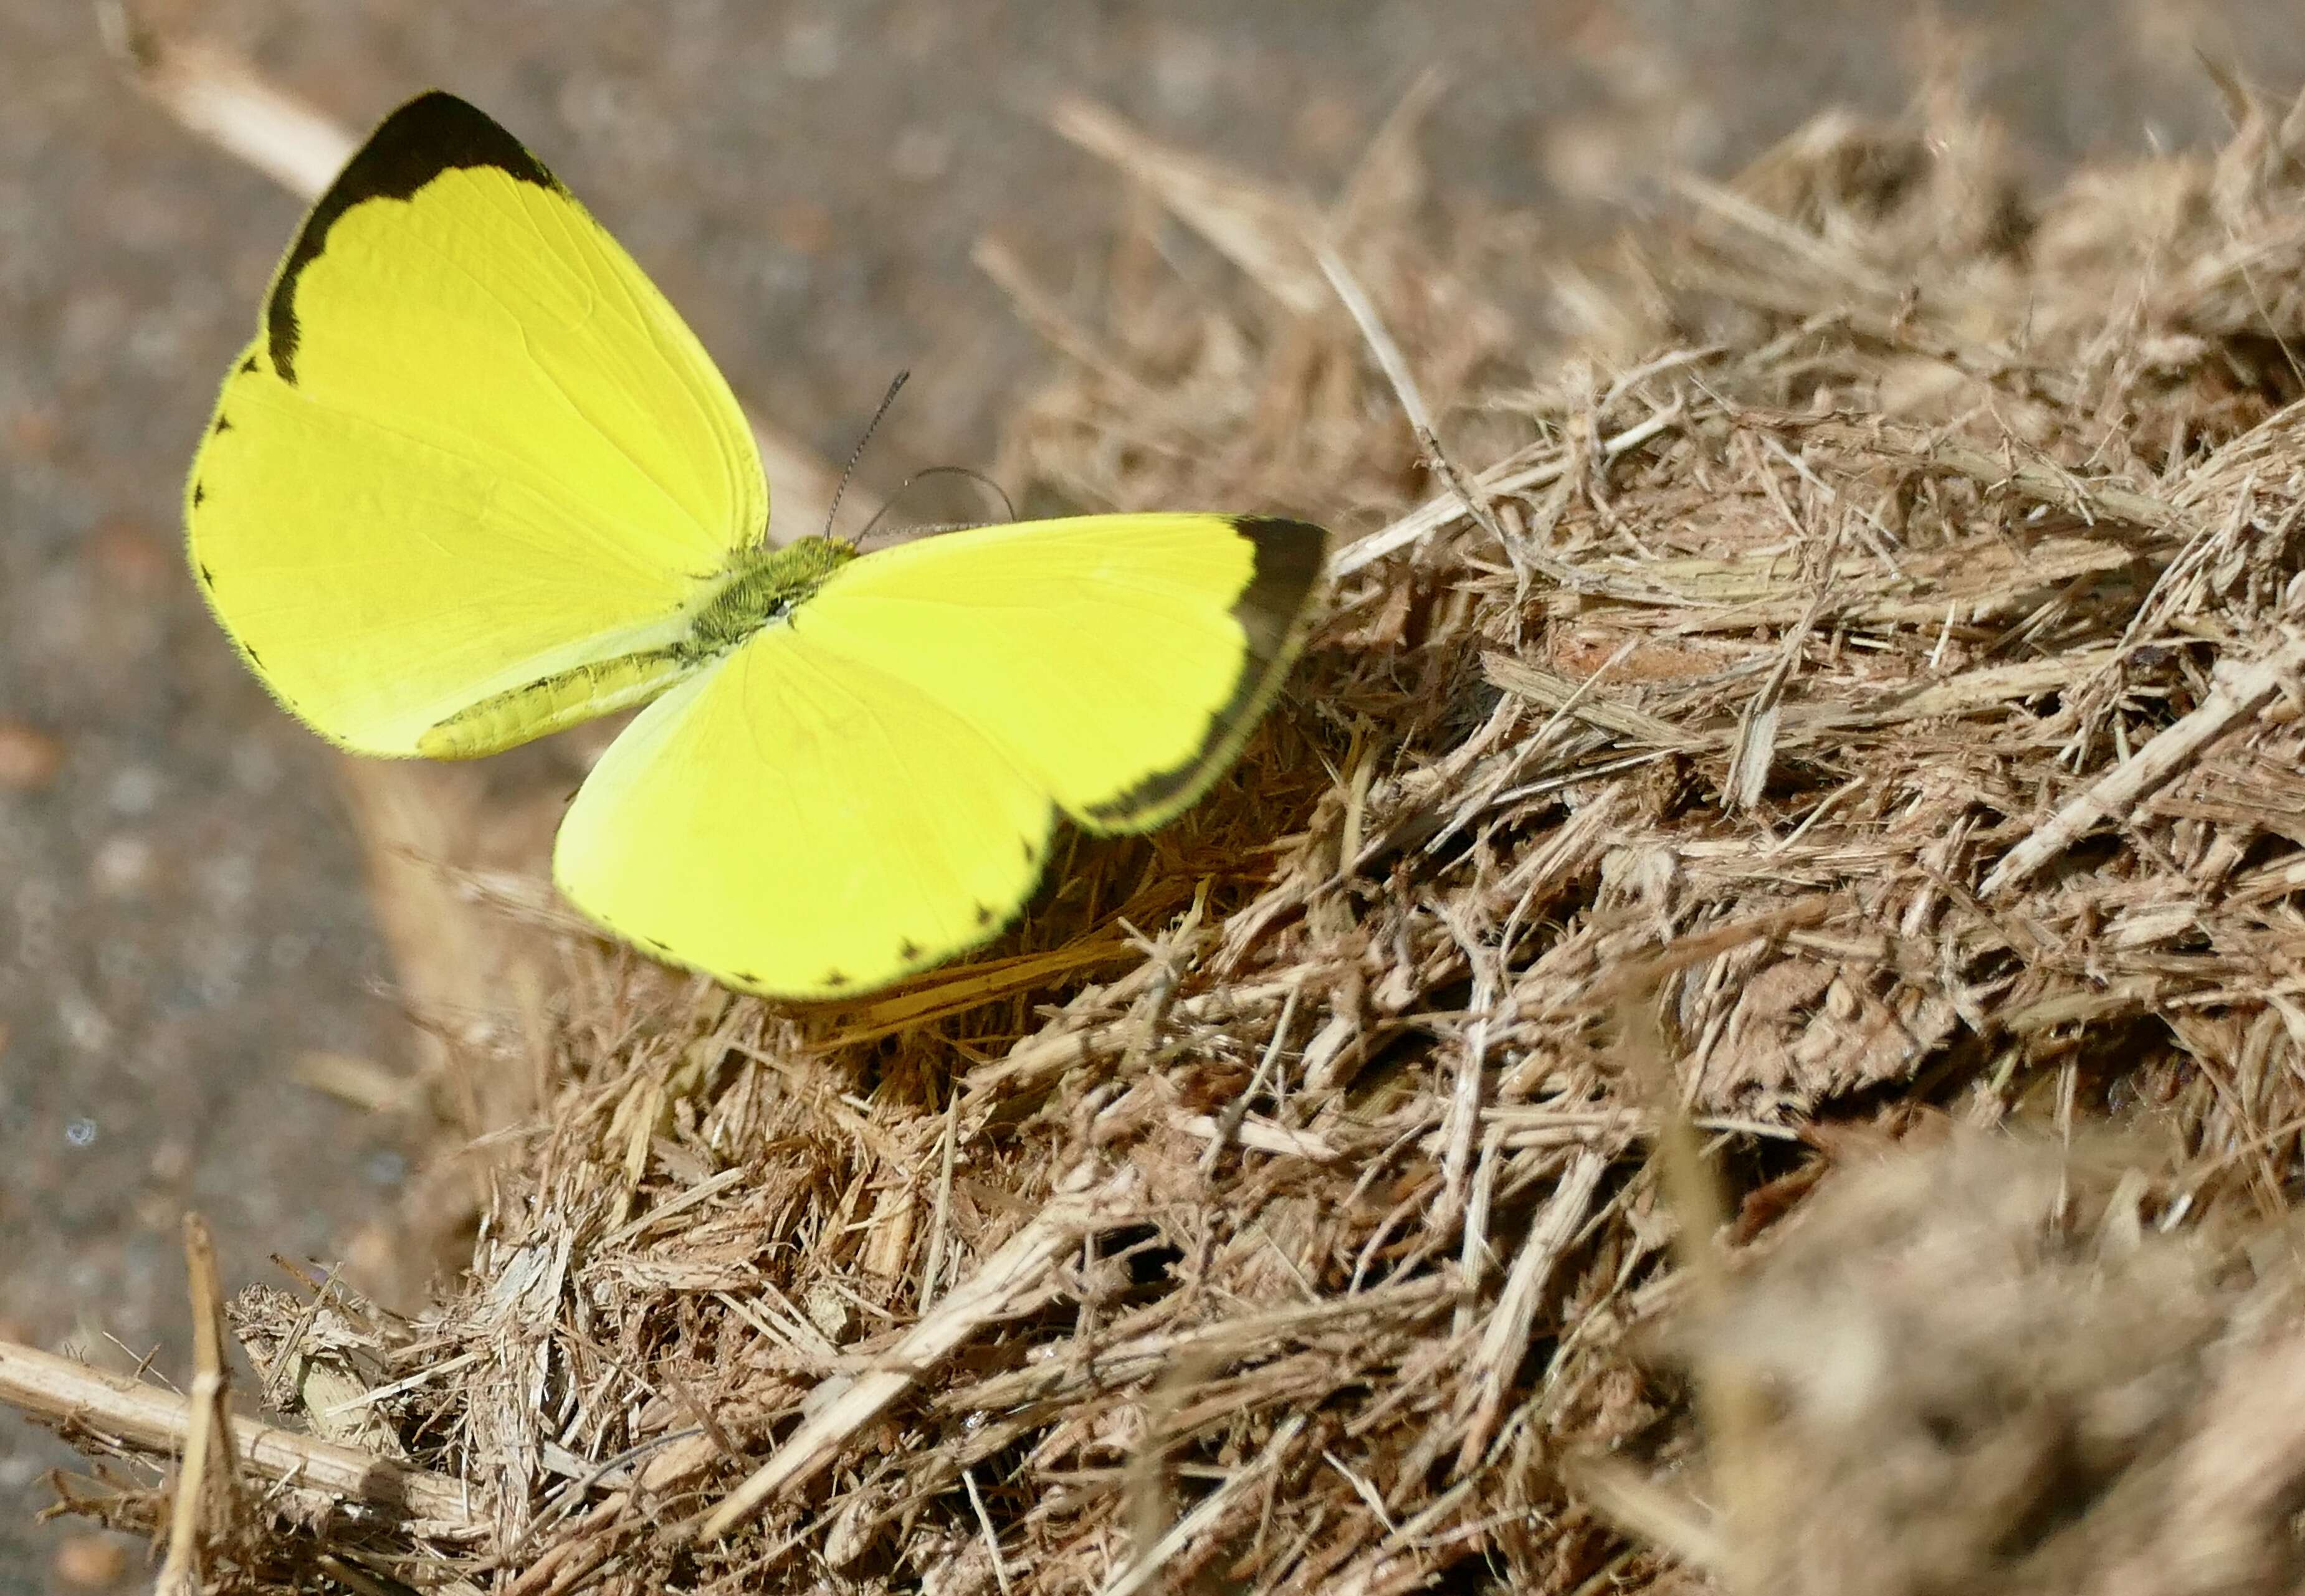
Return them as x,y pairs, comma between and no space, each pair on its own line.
184,921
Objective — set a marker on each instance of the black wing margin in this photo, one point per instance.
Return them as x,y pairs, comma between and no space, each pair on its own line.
434,133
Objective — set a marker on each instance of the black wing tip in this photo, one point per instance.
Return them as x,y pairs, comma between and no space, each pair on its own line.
430,134
1300,538
1289,557
434,133
431,103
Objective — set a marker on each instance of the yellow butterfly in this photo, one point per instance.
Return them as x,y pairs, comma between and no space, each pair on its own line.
475,481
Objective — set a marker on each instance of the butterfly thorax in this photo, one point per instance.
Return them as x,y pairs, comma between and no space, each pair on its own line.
763,585
760,586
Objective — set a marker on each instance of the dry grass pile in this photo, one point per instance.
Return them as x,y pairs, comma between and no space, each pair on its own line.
1867,674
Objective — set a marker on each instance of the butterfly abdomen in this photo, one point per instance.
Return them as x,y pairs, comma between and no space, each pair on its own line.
763,585
553,703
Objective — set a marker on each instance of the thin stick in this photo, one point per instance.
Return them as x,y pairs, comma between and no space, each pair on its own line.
229,102
1380,340
208,1438
1461,1127
1138,1575
1504,1340
2238,694
146,1418
209,1370
1726,1398
1258,229
1395,366
1475,1256
940,1216
1229,1123
985,1523
1434,513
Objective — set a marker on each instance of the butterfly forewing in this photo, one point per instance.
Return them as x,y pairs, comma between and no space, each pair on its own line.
1122,657
470,446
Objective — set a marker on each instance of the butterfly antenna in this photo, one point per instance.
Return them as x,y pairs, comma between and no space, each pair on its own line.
857,454
1007,507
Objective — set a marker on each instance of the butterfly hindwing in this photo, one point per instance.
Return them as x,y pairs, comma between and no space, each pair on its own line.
471,445
795,823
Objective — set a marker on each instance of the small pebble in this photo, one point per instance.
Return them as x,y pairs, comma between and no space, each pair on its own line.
29,757
91,1562
122,865
134,790
132,558
812,49
829,1311
804,227
32,433
921,154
